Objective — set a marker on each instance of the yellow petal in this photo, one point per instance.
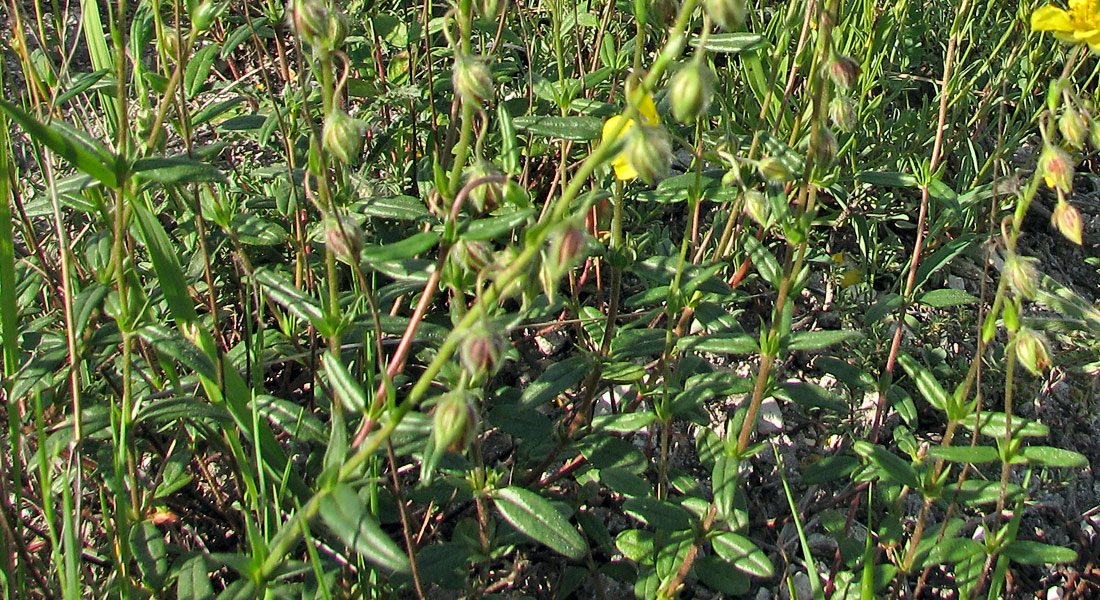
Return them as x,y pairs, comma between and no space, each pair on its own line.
1082,35
648,110
611,125
838,258
1051,18
623,170
851,278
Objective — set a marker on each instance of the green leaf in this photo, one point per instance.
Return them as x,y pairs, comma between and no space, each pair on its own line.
809,395
636,544
623,422
557,378
175,170
536,517
406,248
888,464
946,297
765,263
941,257
402,208
1048,456
345,514
732,43
162,254
87,155
345,386
151,553
658,513
291,298
993,424
172,344
625,482
886,179
964,454
292,418
80,84
193,579
198,69
1036,553
719,343
816,340
743,554
926,382
493,227
257,231
578,129
716,574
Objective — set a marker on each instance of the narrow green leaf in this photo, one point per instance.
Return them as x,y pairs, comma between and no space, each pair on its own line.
765,263
407,248
946,297
257,231
150,551
624,422
926,382
732,43
658,513
964,454
87,155
346,515
345,386
291,298
162,254
816,340
743,554
719,343
888,464
536,517
1048,456
175,170
567,128
993,424
1037,553
557,378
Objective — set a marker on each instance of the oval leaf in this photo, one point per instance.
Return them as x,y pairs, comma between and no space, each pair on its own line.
536,517
345,514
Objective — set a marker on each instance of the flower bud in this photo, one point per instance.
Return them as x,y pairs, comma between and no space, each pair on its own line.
1022,275
310,19
822,148
205,14
569,244
842,113
690,91
481,351
488,194
1033,351
471,78
344,238
489,10
342,136
774,170
758,207
649,152
1056,167
471,255
1067,219
1094,134
169,43
336,30
1074,127
844,71
451,421
729,14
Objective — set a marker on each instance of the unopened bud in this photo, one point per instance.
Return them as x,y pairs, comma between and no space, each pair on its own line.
471,255
451,421
664,12
310,19
569,244
342,136
169,42
336,30
481,351
757,207
1094,134
774,170
844,71
729,14
842,113
1056,167
344,238
471,78
690,91
1022,275
1067,220
822,148
489,10
205,14
1074,127
487,194
1033,351
649,151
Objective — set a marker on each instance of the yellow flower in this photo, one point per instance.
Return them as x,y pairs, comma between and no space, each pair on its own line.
647,110
1081,23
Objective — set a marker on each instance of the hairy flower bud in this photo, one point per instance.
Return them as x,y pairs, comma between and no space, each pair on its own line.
452,421
488,194
1033,351
729,14
342,136
310,19
649,152
336,30
481,351
842,113
844,71
690,91
472,80
1067,219
344,238
774,170
1074,127
1056,167
489,10
822,148
1022,275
